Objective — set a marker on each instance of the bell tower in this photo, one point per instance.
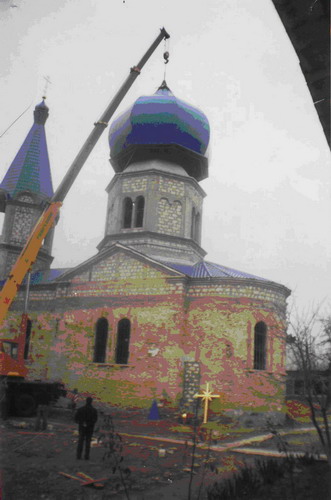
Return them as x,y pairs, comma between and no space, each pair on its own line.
24,190
154,200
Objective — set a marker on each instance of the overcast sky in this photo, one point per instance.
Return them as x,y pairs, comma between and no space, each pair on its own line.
268,203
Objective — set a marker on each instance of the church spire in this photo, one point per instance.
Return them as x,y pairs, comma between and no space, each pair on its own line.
25,187
30,169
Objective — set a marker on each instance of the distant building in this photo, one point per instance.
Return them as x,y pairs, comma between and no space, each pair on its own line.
296,383
147,317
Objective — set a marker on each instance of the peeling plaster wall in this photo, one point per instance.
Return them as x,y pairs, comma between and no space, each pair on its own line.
173,320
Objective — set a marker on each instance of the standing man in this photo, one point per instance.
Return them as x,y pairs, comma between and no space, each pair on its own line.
85,417
42,411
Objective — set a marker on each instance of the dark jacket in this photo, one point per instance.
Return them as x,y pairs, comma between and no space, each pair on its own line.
86,416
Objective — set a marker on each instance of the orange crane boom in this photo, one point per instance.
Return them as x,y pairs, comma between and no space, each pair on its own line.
27,257
47,219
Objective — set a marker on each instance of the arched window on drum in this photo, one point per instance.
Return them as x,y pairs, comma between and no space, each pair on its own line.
139,211
260,346
127,213
100,341
123,342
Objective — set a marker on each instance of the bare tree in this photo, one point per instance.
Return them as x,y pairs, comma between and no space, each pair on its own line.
309,342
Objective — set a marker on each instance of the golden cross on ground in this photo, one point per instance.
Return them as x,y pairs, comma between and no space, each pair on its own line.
206,397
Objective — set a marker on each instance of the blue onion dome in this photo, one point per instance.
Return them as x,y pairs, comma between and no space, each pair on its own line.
163,127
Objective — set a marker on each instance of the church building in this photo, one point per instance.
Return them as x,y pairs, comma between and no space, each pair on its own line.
147,317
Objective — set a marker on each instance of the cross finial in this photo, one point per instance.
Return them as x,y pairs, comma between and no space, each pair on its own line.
47,81
206,396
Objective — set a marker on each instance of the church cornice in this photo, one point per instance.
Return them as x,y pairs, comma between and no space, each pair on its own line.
147,236
265,284
37,202
154,171
43,254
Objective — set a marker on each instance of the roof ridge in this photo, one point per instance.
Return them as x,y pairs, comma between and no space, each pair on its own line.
227,268
224,268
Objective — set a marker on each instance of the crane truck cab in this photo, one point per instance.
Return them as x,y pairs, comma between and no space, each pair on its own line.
19,396
11,363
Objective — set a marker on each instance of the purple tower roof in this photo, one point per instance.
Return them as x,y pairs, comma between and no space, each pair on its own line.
30,169
205,269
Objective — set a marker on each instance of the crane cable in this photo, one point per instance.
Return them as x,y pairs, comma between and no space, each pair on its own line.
166,56
15,120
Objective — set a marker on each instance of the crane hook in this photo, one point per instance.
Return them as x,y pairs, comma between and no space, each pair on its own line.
166,57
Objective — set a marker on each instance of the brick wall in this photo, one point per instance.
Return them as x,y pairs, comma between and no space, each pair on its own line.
172,186
170,217
172,320
21,216
191,383
169,201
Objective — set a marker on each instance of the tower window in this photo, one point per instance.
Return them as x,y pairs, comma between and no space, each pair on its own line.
100,345
193,224
123,341
260,338
27,338
197,227
127,212
139,215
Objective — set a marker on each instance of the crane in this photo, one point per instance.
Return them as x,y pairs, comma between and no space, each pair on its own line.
46,221
18,393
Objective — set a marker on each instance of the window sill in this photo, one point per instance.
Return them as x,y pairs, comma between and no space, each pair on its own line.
255,370
105,365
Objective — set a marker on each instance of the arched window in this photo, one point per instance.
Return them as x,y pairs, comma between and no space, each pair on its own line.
195,225
27,338
100,344
260,343
139,215
123,341
193,219
127,212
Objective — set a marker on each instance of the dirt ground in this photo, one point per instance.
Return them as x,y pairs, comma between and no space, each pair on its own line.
34,463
